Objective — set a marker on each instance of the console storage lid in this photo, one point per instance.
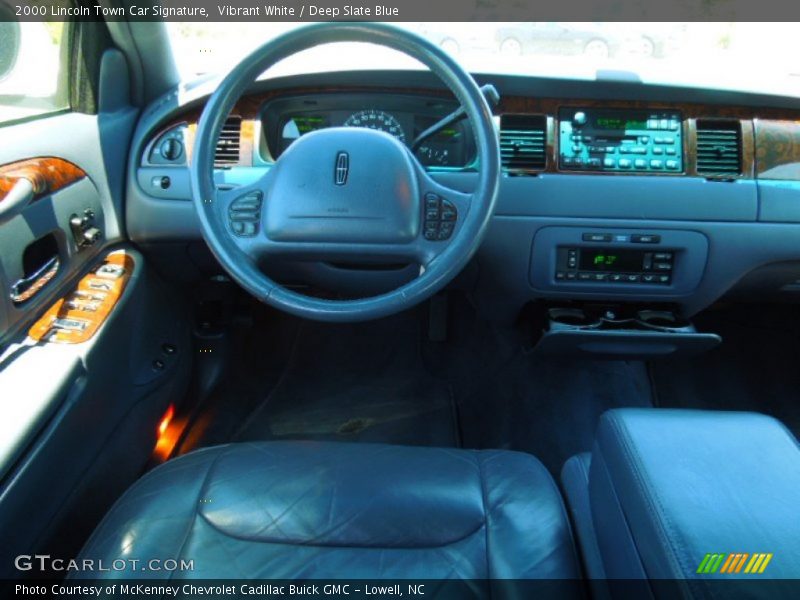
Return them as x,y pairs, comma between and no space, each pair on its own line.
668,487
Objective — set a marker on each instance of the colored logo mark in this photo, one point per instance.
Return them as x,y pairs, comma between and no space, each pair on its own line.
736,562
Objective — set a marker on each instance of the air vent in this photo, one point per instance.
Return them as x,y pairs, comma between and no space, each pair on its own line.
523,142
227,152
719,148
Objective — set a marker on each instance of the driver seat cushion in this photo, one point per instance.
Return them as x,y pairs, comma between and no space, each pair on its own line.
328,510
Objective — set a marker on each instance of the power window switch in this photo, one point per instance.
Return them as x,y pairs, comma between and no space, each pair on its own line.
69,324
99,284
109,271
82,305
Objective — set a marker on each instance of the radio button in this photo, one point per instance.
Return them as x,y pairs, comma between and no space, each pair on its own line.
585,276
671,151
611,149
600,277
672,165
644,139
571,276
631,278
638,150
662,266
663,279
624,163
594,163
640,163
615,277
560,275
662,256
656,164
649,278
658,150
609,163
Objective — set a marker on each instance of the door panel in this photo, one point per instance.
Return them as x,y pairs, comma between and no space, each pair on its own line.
78,421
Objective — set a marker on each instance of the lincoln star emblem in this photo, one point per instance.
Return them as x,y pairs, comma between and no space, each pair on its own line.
342,168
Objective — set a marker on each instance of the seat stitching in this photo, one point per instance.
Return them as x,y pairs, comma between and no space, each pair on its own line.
321,545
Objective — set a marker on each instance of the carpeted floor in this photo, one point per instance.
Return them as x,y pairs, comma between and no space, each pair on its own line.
756,368
358,382
384,381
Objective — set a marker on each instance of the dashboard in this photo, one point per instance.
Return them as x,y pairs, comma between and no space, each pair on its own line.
611,191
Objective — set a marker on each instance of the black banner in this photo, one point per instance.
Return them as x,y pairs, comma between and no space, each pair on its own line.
411,589
402,10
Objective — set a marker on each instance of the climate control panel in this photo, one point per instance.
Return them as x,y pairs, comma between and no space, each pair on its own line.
644,141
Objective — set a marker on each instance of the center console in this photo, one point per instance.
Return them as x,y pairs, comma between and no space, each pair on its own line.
688,504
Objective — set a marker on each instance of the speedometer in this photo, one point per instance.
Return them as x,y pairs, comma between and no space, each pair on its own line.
377,119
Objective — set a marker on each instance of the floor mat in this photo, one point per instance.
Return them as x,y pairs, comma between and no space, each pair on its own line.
509,397
755,368
357,382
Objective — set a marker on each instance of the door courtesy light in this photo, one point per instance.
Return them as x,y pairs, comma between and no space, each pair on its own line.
168,434
165,421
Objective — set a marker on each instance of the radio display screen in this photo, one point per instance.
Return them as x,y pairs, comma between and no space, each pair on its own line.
611,259
620,124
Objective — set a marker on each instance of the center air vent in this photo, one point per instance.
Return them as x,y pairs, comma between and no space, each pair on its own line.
523,142
719,148
227,152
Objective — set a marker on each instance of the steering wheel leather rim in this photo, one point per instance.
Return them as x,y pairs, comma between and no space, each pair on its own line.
441,270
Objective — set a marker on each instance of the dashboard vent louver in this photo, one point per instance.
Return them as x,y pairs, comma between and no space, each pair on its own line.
227,152
719,148
523,142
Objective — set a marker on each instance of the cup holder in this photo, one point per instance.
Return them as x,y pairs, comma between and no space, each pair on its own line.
621,333
572,318
663,321
643,320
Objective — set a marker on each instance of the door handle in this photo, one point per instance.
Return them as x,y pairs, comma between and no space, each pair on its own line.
28,287
17,199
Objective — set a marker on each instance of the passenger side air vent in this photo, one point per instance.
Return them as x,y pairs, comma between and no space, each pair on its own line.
523,142
227,152
719,148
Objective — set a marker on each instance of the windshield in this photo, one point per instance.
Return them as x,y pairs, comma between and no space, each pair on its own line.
757,57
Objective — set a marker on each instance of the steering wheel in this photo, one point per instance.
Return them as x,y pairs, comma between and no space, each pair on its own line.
345,193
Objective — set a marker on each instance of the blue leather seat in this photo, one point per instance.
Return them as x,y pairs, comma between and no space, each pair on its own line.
333,510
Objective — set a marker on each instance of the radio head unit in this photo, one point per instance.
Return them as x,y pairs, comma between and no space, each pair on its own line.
617,140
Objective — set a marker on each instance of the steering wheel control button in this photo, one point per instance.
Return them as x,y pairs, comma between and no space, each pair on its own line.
440,218
244,214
